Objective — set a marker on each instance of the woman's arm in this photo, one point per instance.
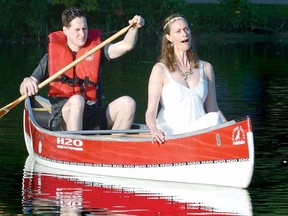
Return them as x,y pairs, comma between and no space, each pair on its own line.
155,85
211,104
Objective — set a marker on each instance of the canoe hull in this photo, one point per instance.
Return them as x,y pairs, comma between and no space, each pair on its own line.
222,155
81,192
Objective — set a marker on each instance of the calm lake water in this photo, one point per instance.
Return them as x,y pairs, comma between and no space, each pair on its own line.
251,79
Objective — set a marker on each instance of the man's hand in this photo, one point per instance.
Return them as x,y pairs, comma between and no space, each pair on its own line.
29,86
138,20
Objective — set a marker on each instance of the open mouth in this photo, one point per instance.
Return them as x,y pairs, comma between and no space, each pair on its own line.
185,41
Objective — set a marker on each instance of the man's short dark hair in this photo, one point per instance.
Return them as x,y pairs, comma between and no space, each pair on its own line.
70,14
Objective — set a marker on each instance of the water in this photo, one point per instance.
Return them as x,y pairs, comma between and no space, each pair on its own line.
251,79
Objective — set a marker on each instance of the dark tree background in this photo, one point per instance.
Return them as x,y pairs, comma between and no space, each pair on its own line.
32,20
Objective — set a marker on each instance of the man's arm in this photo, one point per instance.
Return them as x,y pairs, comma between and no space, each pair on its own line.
29,85
128,43
41,71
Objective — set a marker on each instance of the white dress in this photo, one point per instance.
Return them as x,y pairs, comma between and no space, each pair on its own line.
183,108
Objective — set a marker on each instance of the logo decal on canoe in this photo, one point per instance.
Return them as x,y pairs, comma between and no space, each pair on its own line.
238,136
68,143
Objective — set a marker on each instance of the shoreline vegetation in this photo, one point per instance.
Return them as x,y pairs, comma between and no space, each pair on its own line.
228,18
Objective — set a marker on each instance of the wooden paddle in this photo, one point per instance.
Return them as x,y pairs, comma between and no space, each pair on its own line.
7,108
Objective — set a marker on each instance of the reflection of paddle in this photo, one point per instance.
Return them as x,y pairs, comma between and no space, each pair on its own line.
10,106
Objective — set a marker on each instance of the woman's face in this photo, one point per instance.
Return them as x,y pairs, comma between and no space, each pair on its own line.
180,35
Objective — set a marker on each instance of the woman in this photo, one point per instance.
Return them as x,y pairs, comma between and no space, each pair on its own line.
183,84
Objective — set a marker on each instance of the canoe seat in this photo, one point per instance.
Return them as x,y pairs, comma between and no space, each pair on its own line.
42,118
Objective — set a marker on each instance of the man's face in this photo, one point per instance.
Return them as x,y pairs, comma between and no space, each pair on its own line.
77,33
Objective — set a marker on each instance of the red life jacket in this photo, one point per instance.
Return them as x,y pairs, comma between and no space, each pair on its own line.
82,78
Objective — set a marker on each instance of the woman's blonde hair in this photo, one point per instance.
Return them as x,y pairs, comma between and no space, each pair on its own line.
167,55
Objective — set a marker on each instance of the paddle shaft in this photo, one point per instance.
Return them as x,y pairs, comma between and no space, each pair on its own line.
10,106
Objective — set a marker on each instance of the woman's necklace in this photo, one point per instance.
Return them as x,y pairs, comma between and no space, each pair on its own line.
186,73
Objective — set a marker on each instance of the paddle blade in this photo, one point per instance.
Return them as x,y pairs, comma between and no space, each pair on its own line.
3,112
7,108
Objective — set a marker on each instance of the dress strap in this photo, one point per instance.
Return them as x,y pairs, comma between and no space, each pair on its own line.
167,72
201,69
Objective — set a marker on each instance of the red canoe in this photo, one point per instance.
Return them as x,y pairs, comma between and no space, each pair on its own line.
221,155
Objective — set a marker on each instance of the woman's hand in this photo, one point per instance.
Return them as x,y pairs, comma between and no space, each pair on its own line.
158,136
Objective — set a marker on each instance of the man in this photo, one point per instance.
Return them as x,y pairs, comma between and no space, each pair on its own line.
73,96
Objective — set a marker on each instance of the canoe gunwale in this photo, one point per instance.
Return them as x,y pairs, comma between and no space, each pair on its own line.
143,130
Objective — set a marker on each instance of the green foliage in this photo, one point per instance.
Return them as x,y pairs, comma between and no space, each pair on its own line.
234,15
87,5
20,19
8,22
112,15
35,19
202,17
272,17
154,12
227,16
238,16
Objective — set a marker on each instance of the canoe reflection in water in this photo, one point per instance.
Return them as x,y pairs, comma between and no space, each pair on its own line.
48,190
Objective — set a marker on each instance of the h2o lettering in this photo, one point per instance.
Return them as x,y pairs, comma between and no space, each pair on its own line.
69,141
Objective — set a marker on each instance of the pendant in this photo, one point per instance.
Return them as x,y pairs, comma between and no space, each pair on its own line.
185,74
